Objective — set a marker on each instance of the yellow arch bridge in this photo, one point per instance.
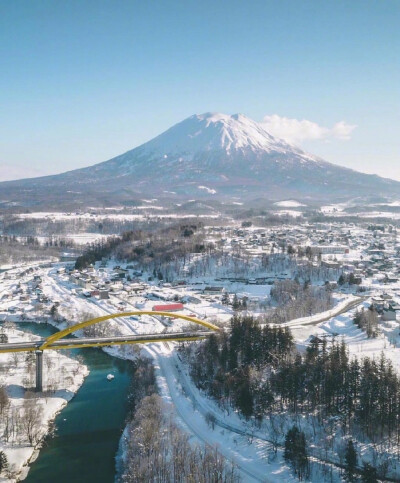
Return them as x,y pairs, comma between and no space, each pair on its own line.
57,342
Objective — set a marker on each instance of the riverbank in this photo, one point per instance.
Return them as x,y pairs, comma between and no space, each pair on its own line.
26,417
89,427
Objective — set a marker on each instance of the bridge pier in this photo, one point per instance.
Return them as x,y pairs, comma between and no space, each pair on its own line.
39,371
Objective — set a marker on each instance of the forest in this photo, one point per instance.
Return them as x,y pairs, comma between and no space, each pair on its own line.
254,368
13,250
149,249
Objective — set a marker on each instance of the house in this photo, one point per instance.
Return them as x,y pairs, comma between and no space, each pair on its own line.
178,282
213,290
168,307
390,278
378,304
329,249
330,264
83,282
68,257
120,272
331,285
388,314
137,287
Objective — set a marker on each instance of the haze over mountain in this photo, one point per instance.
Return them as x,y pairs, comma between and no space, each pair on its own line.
211,155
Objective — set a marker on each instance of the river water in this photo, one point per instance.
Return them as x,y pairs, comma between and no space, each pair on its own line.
88,429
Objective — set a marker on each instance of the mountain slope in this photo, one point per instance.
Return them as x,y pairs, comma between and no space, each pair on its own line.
205,156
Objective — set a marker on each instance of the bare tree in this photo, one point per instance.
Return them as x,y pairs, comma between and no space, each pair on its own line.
31,418
4,401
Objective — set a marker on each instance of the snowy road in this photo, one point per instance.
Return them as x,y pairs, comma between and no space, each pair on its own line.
340,308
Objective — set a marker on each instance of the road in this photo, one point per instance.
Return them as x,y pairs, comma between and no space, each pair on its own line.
324,316
245,466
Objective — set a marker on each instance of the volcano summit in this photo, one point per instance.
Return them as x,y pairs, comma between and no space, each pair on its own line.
211,155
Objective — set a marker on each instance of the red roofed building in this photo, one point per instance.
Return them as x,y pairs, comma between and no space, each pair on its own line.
168,307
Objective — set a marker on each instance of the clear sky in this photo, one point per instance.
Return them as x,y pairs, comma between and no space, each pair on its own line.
83,81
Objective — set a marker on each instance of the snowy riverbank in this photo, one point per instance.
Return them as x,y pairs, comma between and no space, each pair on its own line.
26,416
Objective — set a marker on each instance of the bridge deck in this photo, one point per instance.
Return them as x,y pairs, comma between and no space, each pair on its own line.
104,341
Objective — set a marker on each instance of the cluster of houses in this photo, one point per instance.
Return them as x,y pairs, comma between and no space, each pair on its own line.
31,292
385,306
119,280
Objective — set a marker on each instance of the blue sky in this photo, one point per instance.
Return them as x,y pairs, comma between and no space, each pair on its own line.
83,81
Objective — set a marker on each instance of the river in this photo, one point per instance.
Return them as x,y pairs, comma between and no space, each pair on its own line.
88,429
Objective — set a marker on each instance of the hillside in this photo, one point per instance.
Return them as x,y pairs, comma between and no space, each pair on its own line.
208,156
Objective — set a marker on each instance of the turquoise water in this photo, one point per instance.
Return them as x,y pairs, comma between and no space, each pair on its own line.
90,426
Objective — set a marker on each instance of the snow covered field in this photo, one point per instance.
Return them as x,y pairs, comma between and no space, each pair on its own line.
289,204
153,212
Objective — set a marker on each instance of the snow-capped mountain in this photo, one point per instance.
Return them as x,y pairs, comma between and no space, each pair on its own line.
211,155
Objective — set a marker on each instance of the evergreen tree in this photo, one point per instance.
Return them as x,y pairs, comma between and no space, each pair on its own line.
351,461
291,250
352,279
235,303
369,474
296,452
244,398
225,298
3,461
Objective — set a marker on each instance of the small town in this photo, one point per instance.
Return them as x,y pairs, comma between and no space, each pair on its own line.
327,282
199,241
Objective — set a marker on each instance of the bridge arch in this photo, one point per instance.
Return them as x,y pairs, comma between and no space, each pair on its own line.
63,333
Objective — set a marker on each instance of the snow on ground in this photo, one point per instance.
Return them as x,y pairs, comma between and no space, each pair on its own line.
329,209
15,267
289,204
150,207
393,203
292,213
63,376
237,439
211,191
342,327
113,216
340,210
77,238
341,304
252,459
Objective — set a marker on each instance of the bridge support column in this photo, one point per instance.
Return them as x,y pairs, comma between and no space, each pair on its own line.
39,371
